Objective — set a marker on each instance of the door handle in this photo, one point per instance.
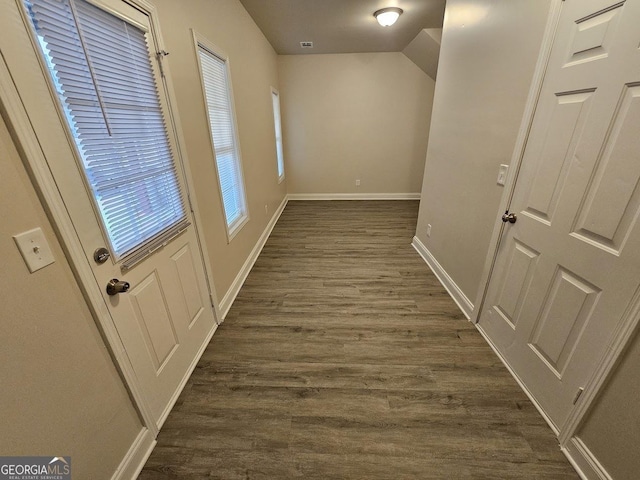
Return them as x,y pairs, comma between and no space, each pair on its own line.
116,286
509,217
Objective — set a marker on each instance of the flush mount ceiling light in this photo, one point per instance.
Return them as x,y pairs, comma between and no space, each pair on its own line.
387,16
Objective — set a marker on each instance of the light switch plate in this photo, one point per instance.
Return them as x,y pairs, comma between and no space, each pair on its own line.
34,248
502,174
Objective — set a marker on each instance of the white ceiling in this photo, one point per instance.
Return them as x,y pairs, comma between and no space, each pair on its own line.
341,26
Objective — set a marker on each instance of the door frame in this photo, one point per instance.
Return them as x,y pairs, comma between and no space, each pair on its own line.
569,444
15,115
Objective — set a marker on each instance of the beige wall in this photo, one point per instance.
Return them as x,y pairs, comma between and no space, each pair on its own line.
254,70
59,390
487,59
354,116
611,431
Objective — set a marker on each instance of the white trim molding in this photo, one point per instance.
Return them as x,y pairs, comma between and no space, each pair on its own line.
584,461
135,459
235,287
354,196
447,282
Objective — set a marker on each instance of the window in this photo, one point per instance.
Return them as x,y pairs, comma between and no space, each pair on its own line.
102,72
217,91
275,97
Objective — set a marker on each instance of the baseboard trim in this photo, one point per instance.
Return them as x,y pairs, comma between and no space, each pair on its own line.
138,454
354,196
583,460
447,282
517,379
234,289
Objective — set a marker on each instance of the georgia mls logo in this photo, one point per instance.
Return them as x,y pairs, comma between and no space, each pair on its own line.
35,468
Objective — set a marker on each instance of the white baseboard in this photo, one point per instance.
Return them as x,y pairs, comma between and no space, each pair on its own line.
447,282
354,196
517,379
585,463
233,291
138,454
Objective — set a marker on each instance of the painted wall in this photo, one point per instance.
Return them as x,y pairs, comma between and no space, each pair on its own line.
60,392
487,58
354,116
226,24
611,430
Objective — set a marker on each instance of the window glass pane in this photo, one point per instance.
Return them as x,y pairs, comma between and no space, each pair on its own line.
221,122
278,125
103,75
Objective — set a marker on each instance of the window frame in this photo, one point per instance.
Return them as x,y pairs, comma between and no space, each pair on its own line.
279,160
199,41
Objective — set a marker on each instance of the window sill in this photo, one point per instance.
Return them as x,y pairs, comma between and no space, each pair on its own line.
234,229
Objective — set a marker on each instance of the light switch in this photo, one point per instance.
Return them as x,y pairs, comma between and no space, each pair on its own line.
502,174
34,249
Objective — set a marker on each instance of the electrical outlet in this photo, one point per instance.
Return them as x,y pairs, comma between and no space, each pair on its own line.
357,182
266,209
428,229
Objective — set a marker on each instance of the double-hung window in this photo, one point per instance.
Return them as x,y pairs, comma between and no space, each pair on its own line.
275,98
216,84
102,71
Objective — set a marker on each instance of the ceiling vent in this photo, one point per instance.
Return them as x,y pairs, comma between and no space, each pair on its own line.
306,44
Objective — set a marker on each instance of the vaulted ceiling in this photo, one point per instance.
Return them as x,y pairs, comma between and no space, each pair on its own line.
341,26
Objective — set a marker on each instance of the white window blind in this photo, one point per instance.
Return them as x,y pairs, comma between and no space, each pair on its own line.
222,124
278,124
102,71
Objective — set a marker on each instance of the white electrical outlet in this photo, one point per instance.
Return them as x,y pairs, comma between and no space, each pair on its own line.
357,182
34,249
502,174
266,209
428,229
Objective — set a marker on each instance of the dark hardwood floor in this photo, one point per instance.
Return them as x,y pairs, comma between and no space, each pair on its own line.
344,358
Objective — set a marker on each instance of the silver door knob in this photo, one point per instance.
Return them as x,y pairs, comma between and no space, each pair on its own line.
115,287
509,217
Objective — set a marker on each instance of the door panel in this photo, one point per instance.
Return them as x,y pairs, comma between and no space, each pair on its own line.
568,269
166,317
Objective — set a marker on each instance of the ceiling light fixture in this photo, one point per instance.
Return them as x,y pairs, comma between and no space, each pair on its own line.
387,16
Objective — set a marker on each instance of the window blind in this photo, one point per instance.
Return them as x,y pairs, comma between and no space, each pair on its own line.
278,124
102,71
222,124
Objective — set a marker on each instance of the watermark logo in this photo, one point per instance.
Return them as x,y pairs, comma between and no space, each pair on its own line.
35,468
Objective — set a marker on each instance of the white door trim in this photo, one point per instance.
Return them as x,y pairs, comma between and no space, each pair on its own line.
16,117
518,152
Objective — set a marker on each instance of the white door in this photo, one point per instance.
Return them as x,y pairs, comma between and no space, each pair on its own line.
567,270
166,316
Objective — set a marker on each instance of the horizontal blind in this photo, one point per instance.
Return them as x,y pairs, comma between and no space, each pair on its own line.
102,71
217,93
278,124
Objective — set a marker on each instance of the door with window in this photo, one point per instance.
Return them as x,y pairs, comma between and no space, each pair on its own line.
568,270
89,77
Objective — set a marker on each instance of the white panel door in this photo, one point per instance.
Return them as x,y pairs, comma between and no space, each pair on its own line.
567,270
166,316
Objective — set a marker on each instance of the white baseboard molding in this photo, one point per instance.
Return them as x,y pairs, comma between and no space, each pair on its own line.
585,463
517,379
354,196
138,454
447,282
233,291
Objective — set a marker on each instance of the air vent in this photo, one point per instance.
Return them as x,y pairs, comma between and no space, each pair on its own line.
306,44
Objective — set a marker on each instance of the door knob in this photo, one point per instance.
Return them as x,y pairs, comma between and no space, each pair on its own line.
509,217
116,286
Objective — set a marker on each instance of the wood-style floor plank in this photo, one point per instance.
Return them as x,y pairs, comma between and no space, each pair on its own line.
344,358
